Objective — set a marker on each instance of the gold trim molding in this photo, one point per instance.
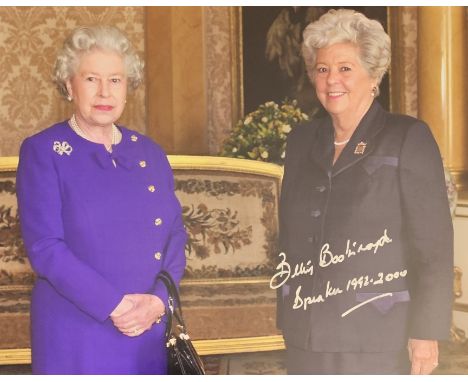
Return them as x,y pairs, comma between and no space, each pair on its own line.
8,163
227,281
458,290
460,307
461,180
397,69
203,347
213,163
239,345
237,67
15,356
195,162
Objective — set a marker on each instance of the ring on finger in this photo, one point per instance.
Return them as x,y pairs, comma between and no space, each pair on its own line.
158,320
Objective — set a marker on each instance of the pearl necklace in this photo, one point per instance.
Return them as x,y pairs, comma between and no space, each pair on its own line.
341,143
116,134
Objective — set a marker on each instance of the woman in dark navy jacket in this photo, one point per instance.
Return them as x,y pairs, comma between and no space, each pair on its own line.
365,273
100,220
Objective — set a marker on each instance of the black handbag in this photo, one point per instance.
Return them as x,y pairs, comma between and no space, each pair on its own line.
182,358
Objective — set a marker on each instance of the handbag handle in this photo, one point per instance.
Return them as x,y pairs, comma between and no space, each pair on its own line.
175,306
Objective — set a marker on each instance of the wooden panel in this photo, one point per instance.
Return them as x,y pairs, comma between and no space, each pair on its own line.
176,102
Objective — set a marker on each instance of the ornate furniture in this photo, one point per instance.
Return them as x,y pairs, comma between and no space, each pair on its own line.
230,209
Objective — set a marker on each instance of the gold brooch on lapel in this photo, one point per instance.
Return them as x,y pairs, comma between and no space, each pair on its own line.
360,148
62,148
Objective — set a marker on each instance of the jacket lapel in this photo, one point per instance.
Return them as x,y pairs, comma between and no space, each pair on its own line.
322,149
362,141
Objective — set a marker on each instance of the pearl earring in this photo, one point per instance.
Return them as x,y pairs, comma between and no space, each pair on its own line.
374,91
69,98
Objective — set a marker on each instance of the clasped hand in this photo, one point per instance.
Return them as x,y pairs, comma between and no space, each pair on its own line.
136,313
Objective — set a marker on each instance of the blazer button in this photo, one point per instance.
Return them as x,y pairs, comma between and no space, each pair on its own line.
320,188
315,213
157,255
158,221
151,188
142,163
312,239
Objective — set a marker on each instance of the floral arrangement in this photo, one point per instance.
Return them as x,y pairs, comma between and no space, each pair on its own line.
261,134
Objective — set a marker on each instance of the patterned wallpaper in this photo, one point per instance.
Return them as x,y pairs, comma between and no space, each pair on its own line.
219,80
409,51
29,40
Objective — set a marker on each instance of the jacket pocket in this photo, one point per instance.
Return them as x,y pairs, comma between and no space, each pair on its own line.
373,162
386,302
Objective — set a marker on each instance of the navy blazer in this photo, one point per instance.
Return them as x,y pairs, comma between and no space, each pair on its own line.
367,243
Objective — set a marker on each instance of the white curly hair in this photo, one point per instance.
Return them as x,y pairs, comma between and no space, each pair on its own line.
85,39
346,25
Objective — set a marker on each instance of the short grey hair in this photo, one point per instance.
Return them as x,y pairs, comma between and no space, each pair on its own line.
346,25
85,39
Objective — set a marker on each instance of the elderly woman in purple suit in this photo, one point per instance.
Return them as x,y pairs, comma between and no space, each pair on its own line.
99,219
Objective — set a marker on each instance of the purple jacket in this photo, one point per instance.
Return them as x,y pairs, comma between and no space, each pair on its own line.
93,233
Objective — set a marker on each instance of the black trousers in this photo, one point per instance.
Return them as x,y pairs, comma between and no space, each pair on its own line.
299,361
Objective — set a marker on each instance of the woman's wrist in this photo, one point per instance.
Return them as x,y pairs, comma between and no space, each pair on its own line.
124,306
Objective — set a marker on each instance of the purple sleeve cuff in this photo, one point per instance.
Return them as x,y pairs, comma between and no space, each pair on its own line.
159,290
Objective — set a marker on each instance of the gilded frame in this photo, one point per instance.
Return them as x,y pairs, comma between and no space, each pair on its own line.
204,347
397,73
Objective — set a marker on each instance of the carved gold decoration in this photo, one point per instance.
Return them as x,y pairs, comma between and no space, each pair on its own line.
403,22
458,335
457,282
